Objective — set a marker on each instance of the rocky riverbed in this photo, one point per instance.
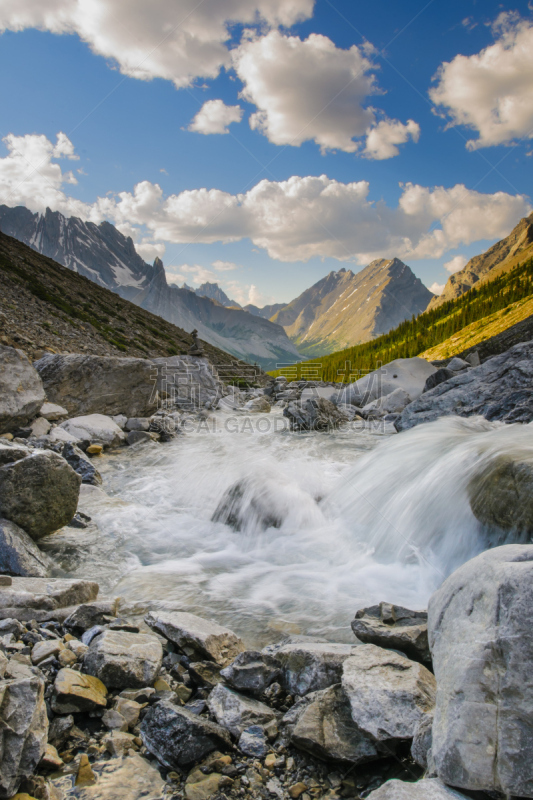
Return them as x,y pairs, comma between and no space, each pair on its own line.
99,700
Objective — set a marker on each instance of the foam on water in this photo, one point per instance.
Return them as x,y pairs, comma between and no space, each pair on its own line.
362,518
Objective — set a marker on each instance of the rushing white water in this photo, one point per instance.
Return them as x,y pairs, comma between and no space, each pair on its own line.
362,518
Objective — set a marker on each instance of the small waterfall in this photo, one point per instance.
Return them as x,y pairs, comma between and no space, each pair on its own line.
268,530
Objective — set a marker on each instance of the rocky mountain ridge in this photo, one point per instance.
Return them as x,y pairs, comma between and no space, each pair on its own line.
107,257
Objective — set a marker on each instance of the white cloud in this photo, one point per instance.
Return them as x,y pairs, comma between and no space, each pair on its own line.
224,266
197,274
455,264
246,293
491,92
150,250
177,41
214,117
174,278
296,219
382,141
437,288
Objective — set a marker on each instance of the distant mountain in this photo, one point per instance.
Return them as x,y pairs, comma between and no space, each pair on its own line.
267,312
501,257
344,308
102,254
214,292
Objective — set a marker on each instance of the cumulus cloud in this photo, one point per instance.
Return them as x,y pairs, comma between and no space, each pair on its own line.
491,92
214,117
437,288
455,264
150,250
292,220
197,274
177,41
382,141
224,266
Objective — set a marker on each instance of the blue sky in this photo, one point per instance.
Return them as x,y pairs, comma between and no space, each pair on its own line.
327,90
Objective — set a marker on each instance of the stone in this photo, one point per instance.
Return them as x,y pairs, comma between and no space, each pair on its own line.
39,493
422,741
139,437
388,694
78,648
236,712
87,615
473,359
96,428
409,374
85,776
40,427
125,777
309,666
44,598
427,789
501,497
315,414
205,674
119,743
395,402
209,785
322,724
51,759
88,384
124,660
52,412
121,420
258,406
249,673
499,389
114,721
11,453
23,730
457,364
297,789
66,658
21,390
129,710
253,742
178,738
59,730
396,628
59,436
188,381
95,450
3,664
138,695
81,464
250,504
207,638
482,645
43,650
19,555
75,691
138,424
441,375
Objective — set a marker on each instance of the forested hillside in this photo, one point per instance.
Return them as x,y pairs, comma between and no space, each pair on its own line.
423,333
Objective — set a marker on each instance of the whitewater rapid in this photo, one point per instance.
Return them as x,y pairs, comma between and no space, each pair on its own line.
363,517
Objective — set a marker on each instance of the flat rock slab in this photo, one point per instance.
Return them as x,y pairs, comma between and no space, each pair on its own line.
75,692
482,644
95,428
322,724
236,712
124,660
207,638
250,673
128,777
39,598
394,627
309,666
178,738
389,695
429,789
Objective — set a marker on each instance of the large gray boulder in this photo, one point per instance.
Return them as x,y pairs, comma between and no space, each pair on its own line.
427,789
249,673
500,389
39,493
19,555
409,374
322,724
190,381
195,635
87,384
124,660
236,712
394,627
501,496
481,640
389,695
21,390
308,666
23,729
178,738
316,414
